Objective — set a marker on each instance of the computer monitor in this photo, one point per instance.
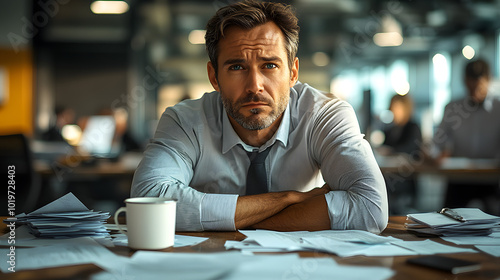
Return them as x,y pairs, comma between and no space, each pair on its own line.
97,137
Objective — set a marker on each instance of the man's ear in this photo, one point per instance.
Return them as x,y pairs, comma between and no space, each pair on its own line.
294,73
212,76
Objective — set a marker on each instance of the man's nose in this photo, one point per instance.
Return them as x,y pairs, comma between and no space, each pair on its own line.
254,81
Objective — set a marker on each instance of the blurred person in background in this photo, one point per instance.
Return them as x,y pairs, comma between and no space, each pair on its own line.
470,128
62,117
402,136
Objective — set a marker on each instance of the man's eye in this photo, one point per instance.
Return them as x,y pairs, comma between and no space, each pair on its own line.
270,65
235,67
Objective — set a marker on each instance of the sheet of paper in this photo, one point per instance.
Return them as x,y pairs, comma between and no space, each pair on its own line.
25,239
346,249
165,266
492,250
186,240
67,203
78,251
179,240
359,236
274,239
286,267
493,239
429,247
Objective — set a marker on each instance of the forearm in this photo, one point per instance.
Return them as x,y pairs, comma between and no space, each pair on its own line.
311,214
254,209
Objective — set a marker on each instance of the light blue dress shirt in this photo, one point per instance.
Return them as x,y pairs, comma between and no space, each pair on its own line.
197,158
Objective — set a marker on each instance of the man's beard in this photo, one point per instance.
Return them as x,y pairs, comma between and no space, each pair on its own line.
255,122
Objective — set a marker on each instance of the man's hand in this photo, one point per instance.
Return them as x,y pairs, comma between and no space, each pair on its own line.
253,209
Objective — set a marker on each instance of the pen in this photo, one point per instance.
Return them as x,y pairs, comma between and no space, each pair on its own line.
452,214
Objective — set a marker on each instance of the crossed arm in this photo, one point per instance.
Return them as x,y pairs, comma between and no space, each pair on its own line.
284,211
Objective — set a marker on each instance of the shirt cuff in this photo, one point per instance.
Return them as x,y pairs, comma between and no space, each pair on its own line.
217,211
334,209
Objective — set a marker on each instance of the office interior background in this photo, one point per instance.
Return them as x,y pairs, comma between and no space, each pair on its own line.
148,55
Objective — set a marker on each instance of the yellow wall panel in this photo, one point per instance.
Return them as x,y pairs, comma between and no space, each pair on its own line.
16,111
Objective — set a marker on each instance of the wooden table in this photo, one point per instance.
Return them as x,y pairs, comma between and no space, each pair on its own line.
490,265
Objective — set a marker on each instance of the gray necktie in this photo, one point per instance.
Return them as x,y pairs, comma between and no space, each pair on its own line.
256,176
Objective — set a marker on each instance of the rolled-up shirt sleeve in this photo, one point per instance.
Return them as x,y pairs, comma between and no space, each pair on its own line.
358,199
218,212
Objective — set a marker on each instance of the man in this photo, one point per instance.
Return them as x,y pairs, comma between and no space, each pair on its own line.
203,149
471,128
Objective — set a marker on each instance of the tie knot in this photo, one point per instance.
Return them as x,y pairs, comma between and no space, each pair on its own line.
256,157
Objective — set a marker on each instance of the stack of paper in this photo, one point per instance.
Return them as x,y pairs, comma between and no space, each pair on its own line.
66,217
463,222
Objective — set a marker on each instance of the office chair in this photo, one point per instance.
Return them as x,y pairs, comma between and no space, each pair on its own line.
15,151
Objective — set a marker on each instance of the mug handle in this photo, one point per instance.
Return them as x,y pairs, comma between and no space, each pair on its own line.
122,209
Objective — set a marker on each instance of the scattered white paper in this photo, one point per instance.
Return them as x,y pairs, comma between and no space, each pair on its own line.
492,239
187,266
347,249
292,267
68,252
340,242
186,240
358,236
179,240
492,250
235,266
274,239
429,247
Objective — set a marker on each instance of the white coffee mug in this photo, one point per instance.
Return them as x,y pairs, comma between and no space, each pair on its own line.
150,222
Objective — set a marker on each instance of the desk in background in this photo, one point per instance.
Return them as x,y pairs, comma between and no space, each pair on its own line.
407,166
430,180
490,265
101,184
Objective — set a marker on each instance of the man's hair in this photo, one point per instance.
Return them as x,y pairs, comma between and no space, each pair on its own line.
247,15
477,69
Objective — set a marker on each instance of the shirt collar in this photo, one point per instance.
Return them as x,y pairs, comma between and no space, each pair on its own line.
231,139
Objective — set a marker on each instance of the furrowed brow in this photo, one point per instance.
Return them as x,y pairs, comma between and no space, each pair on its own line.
233,61
271,58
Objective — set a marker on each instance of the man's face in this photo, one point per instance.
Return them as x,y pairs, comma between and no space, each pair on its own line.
478,88
253,75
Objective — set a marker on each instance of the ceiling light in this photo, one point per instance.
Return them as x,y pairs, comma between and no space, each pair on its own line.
197,37
320,59
390,34
468,52
71,133
109,7
401,87
389,39
439,59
